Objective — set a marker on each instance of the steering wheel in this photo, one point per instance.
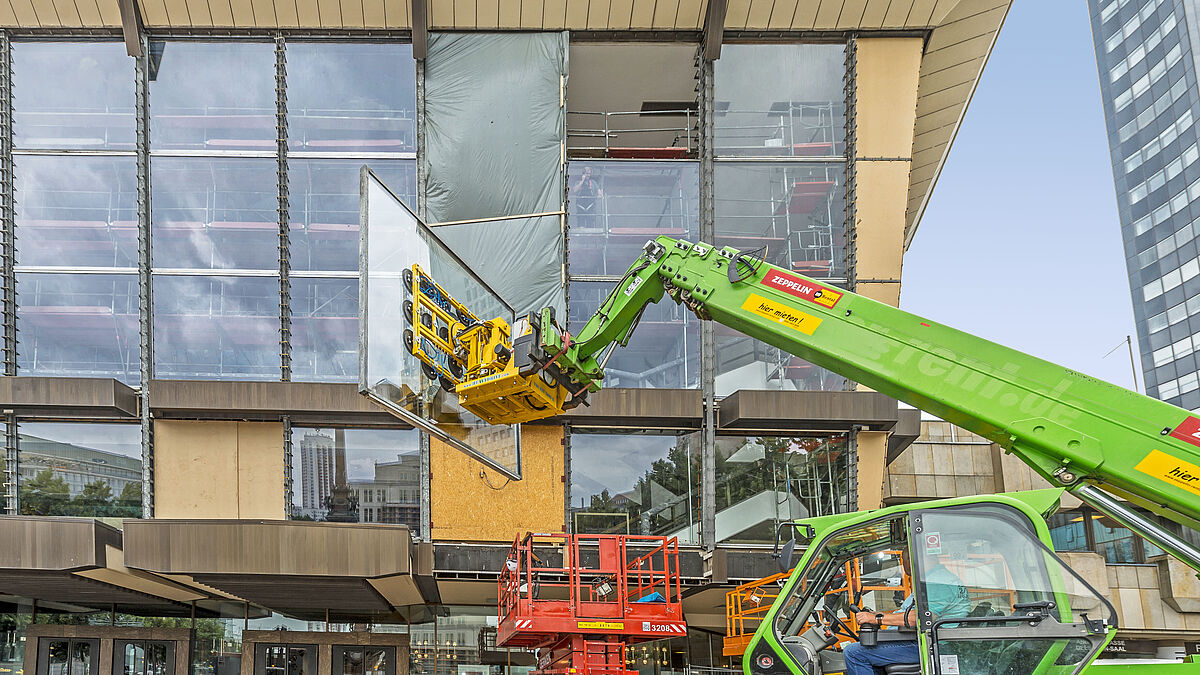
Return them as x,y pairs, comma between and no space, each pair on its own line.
833,626
840,626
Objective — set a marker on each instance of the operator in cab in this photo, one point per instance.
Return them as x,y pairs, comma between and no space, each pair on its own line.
947,596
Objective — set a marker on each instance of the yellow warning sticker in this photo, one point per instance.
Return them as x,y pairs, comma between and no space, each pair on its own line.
1174,471
780,313
602,625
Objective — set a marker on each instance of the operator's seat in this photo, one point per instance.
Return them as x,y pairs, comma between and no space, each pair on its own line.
902,669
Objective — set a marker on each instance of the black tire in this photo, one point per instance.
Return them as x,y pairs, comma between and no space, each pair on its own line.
408,311
407,277
408,341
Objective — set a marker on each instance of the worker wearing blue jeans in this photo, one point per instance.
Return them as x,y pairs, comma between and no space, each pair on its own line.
947,597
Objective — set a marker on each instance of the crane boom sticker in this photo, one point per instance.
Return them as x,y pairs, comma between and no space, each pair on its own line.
780,313
805,290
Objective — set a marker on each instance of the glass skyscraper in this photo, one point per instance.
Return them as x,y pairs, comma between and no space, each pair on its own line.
1145,53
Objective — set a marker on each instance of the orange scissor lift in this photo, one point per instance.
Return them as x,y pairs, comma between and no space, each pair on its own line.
609,592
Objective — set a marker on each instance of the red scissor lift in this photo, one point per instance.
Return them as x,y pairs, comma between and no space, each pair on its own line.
609,591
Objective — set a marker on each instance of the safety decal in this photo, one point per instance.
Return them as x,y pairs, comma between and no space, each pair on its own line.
648,627
780,313
933,543
601,625
948,663
825,297
1172,470
1188,430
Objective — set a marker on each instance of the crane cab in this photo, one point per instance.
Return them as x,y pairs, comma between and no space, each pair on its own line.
989,594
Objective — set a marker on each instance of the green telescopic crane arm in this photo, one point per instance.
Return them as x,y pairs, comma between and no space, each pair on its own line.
1094,438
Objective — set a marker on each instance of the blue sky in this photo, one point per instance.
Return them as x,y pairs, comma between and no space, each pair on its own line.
1020,242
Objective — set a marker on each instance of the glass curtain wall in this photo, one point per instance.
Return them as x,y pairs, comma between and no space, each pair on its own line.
629,483
779,187
347,105
75,194
356,475
214,210
80,469
615,207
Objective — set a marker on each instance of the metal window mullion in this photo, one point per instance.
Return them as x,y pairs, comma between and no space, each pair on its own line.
426,470
708,444
288,481
8,233
851,225
12,503
285,284
145,280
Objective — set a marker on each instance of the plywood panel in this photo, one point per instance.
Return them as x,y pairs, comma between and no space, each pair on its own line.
598,14
872,460
827,14
759,15
665,12
487,14
806,14
881,190
852,14
886,95
466,506
195,469
736,13
261,470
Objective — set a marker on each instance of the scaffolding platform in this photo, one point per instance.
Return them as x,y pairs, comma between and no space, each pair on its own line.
580,599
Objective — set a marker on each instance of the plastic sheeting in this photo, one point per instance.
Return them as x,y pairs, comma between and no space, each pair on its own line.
494,129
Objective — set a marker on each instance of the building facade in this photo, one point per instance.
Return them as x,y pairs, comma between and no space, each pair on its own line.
179,186
1146,54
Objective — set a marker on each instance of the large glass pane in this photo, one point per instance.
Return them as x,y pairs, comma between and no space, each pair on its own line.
780,100
394,240
135,659
636,484
1117,544
73,95
76,210
323,208
81,658
356,475
743,362
792,214
214,213
615,207
213,327
345,97
80,469
59,654
81,325
765,480
212,96
324,330
664,351
375,661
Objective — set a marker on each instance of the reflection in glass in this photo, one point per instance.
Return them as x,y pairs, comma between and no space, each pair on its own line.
81,325
297,661
324,330
76,210
81,658
796,212
212,96
346,97
375,661
765,480
59,653
356,475
664,351
80,469
212,327
214,213
780,100
135,659
615,207
323,208
743,362
635,484
73,95
395,240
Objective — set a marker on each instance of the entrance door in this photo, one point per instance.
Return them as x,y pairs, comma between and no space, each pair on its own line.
143,657
363,660
275,659
67,656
